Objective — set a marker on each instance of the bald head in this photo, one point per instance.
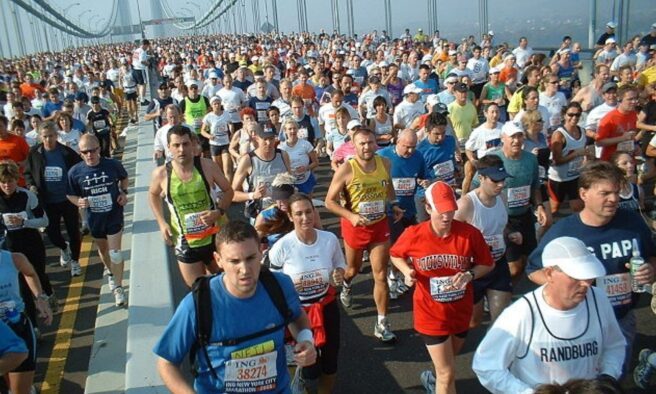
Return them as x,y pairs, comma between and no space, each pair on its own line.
406,143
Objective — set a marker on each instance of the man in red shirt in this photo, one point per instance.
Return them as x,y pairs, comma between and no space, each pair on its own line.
617,129
442,256
28,88
13,147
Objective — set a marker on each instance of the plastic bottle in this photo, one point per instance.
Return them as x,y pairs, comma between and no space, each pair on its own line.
636,262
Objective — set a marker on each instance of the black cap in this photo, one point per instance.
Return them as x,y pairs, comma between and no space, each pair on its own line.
266,130
163,85
374,79
461,87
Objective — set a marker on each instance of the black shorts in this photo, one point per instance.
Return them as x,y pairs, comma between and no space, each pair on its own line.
139,77
216,150
103,224
497,279
431,340
131,96
327,356
187,255
560,191
525,224
25,330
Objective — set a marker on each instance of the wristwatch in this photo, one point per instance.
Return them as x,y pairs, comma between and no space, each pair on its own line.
471,272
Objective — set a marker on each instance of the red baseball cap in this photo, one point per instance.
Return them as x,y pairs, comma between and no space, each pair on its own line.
441,197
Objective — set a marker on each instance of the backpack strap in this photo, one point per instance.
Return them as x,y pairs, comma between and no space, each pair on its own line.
272,287
203,308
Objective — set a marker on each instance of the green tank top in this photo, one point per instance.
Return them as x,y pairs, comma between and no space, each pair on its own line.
186,200
494,93
194,113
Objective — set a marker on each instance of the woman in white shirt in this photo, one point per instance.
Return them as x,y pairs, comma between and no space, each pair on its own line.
314,261
302,157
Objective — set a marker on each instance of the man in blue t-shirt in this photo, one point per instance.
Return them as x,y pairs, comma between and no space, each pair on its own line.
439,152
427,85
101,185
610,234
257,364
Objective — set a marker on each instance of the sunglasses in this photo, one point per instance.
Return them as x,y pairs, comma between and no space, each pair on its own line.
92,150
574,115
553,82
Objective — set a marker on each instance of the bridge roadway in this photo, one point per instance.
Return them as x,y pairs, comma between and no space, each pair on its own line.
94,347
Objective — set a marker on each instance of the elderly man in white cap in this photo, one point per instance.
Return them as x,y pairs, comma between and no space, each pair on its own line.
409,109
609,33
563,330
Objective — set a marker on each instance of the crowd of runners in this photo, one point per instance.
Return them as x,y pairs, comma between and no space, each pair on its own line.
458,167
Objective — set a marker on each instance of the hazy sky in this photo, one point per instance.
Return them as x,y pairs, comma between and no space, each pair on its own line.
542,21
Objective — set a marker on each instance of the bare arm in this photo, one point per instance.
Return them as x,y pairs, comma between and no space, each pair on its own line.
32,279
464,212
155,201
217,178
557,145
642,116
243,169
173,378
342,175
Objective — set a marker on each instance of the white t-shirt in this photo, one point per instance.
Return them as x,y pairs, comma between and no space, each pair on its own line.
406,112
232,99
483,140
139,55
70,139
298,157
218,125
327,117
554,105
522,55
309,266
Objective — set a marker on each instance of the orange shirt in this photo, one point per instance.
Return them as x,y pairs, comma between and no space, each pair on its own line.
305,92
14,148
614,124
29,89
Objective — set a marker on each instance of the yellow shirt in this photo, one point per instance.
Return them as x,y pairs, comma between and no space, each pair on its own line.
463,119
647,77
367,191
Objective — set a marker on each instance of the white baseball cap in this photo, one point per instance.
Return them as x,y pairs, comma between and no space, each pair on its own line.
573,258
511,128
353,124
611,24
432,99
215,98
411,88
193,82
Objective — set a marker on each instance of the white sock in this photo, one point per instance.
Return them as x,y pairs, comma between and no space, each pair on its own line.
381,318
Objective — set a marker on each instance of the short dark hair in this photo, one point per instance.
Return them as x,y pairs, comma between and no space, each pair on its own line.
178,130
435,119
380,100
598,171
236,231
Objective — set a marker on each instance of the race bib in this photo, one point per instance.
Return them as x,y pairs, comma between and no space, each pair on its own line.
14,221
194,225
303,133
442,291
198,122
518,196
444,170
617,288
100,203
220,133
497,245
372,210
99,124
251,374
312,283
574,166
53,174
404,186
626,146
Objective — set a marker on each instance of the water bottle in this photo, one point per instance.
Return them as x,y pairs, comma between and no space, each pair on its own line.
635,263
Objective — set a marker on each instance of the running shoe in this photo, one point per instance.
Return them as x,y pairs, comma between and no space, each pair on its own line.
119,296
644,371
124,132
393,288
76,270
345,296
428,381
382,331
145,102
111,283
65,256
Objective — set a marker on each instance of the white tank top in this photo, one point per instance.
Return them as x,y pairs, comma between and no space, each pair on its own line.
491,221
562,344
572,169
